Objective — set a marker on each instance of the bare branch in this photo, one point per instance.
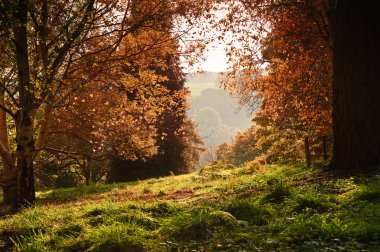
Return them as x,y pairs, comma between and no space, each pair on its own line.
8,111
73,153
10,94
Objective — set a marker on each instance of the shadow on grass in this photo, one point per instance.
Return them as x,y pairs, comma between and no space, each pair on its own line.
67,194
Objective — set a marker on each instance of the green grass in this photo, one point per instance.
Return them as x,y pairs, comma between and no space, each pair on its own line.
222,208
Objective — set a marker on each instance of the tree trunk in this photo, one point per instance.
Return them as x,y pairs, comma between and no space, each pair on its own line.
88,171
10,185
356,85
9,175
3,122
87,181
324,148
24,116
24,153
307,152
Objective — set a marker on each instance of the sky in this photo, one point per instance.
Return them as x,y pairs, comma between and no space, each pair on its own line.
216,60
214,55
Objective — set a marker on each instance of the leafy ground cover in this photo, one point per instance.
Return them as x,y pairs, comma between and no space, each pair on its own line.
221,207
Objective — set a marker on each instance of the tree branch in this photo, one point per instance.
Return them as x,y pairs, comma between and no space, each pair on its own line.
72,153
8,111
10,94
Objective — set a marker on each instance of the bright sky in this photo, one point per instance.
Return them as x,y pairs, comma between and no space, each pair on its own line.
214,55
216,60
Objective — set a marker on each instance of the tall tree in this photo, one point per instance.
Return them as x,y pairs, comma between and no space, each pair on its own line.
284,68
353,29
46,43
356,85
176,138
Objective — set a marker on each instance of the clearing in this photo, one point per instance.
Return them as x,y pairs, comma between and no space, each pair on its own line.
286,208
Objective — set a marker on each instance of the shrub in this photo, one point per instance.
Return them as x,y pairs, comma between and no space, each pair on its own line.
215,167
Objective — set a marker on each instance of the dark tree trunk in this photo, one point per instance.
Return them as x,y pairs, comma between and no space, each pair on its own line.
324,148
24,116
356,84
24,153
87,172
87,181
307,152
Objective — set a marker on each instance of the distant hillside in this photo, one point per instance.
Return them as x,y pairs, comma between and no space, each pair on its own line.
216,112
197,82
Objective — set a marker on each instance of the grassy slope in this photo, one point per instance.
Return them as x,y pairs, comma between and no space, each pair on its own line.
223,208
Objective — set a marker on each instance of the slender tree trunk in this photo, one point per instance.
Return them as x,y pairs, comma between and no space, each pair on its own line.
89,163
307,152
87,181
356,85
3,122
86,170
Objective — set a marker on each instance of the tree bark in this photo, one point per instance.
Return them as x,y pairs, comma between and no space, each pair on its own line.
307,152
324,148
24,116
87,171
8,176
43,129
9,184
25,153
356,85
3,122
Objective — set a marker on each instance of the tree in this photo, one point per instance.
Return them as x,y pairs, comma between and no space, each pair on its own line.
46,43
356,85
284,69
223,153
242,150
353,29
176,140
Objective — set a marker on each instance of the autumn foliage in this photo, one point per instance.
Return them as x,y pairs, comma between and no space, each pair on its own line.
81,79
284,68
86,82
243,149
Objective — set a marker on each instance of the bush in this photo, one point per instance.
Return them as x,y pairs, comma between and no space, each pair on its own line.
216,171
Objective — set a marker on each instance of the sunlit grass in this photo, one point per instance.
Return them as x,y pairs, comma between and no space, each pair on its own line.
283,208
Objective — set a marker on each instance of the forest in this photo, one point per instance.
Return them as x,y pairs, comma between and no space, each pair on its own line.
99,150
